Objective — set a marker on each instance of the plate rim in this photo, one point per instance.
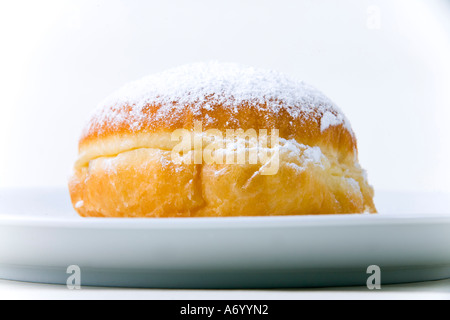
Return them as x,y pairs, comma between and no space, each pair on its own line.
340,220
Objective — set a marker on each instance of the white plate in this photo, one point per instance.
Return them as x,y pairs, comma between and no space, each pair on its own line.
40,236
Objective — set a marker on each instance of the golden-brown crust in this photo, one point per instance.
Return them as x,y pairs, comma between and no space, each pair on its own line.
125,166
305,127
147,183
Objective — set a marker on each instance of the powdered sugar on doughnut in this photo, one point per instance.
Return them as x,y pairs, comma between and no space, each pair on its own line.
329,120
204,85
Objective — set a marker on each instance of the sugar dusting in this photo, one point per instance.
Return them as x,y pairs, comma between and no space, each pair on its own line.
202,86
295,155
329,120
79,204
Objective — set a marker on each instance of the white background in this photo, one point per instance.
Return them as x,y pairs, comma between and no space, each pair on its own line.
385,63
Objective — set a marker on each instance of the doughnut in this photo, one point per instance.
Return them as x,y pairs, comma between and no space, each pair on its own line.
218,140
